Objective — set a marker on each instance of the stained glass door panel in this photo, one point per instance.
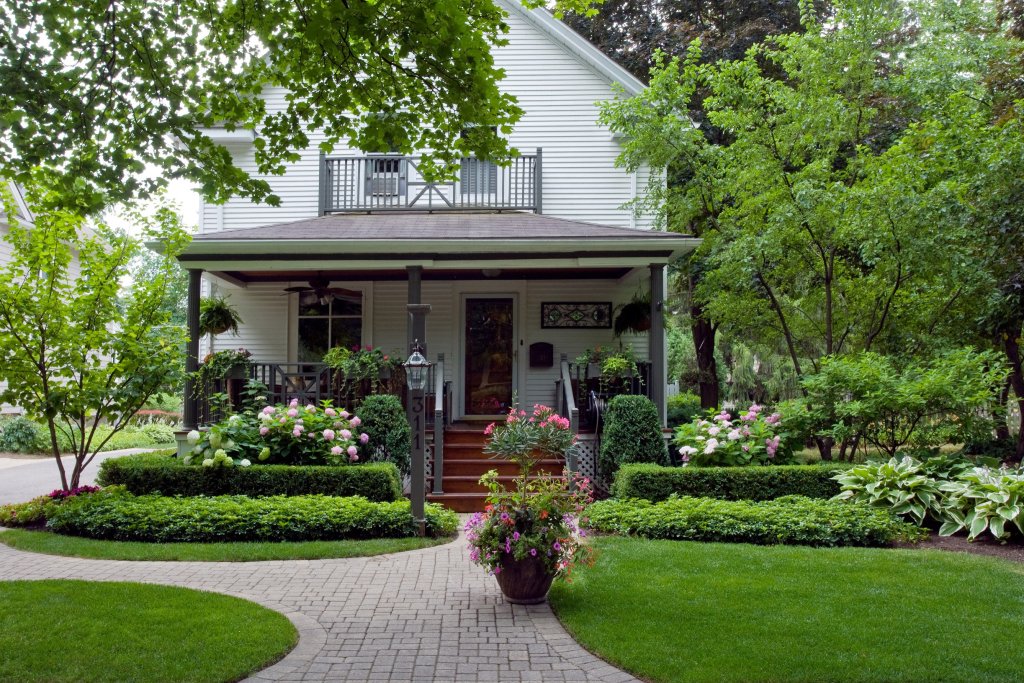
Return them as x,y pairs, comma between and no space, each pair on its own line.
490,356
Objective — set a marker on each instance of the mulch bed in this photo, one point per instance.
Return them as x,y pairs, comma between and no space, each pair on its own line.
1013,550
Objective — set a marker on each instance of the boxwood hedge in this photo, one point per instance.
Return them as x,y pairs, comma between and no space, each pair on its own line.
656,483
792,520
116,515
161,473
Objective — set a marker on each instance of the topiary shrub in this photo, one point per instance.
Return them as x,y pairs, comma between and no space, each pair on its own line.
764,482
21,435
385,422
160,473
632,433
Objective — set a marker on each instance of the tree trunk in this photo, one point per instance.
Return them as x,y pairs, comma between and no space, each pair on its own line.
824,444
1003,415
1011,345
707,368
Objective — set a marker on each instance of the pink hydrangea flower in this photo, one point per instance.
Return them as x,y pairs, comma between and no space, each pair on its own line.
714,431
353,452
293,412
267,410
294,403
330,412
337,450
734,435
263,431
329,434
343,414
364,437
355,421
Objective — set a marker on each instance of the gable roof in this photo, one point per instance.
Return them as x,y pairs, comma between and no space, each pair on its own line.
576,45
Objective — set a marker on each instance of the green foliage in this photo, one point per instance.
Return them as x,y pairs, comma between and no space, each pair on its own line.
357,365
656,483
891,405
30,513
902,486
525,438
387,427
122,516
217,316
682,408
791,520
148,473
75,353
751,438
983,499
632,433
21,435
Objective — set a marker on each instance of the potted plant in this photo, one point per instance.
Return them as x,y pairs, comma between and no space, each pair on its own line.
367,368
226,364
531,534
217,316
634,316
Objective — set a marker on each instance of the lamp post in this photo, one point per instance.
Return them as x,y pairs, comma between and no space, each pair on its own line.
416,371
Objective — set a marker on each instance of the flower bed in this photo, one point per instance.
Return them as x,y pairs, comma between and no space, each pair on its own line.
160,473
116,515
792,520
656,483
722,439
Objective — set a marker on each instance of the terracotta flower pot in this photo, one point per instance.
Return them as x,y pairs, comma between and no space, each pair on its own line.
526,581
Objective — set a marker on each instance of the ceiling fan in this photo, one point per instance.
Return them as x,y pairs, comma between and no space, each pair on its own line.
321,287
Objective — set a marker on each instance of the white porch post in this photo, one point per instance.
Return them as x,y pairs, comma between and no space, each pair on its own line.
417,327
657,353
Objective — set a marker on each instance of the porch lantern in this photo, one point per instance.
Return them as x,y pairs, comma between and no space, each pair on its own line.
416,368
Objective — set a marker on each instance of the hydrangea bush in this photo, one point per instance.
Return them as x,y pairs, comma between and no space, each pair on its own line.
722,439
283,434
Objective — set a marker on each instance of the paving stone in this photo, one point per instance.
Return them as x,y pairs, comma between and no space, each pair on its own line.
423,615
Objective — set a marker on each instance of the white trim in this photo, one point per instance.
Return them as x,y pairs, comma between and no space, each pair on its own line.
223,135
576,45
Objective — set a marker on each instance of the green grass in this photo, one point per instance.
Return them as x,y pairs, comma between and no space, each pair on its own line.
57,544
57,631
680,611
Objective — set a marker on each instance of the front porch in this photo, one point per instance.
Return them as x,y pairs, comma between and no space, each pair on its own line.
491,279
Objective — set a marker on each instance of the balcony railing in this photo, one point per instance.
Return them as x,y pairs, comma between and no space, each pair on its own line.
387,182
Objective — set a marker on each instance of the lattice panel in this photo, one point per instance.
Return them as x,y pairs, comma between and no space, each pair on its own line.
587,449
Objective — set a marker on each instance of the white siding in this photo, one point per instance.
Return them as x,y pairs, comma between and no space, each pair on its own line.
557,91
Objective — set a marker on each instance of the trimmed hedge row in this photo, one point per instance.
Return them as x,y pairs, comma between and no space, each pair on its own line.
160,473
123,517
791,520
656,483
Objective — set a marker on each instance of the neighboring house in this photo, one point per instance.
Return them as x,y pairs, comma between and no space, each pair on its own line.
489,252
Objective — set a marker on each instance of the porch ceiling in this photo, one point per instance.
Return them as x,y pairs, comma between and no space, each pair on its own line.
445,243
355,275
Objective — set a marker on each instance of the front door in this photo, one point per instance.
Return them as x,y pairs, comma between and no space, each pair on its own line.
490,355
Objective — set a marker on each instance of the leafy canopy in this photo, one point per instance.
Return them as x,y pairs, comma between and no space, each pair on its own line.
74,354
96,91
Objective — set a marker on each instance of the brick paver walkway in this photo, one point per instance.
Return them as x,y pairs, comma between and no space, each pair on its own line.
424,615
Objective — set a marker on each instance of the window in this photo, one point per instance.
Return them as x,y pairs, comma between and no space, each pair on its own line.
326,323
385,176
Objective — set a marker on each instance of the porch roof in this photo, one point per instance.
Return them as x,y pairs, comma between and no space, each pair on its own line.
447,240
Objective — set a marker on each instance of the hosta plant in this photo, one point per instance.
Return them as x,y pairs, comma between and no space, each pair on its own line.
722,439
984,499
902,485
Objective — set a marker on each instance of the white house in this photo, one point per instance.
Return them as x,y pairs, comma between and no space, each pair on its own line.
522,266
23,217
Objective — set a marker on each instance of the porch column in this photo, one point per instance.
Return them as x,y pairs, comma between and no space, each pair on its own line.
659,370
417,328
191,410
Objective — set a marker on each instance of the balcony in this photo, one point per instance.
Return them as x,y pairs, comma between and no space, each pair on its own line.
388,182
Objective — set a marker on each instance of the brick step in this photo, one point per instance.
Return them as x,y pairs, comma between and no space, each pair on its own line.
472,466
460,502
476,439
465,451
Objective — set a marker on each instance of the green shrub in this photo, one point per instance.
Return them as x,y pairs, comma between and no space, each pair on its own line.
21,435
29,513
682,408
656,483
124,517
632,433
159,473
792,520
385,422
157,432
748,437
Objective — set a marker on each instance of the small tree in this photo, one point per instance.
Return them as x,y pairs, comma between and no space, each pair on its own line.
385,422
632,433
73,354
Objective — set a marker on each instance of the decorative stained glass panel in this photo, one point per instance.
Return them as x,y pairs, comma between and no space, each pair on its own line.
590,316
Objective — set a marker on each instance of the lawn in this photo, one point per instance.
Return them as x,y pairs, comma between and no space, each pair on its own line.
681,611
57,631
57,544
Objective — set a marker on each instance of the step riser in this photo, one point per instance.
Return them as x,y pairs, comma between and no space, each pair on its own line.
478,469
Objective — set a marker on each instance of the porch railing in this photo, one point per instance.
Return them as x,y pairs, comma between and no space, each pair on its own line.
565,399
386,182
440,405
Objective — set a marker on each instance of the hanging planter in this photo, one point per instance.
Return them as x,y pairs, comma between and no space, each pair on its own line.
217,316
634,316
